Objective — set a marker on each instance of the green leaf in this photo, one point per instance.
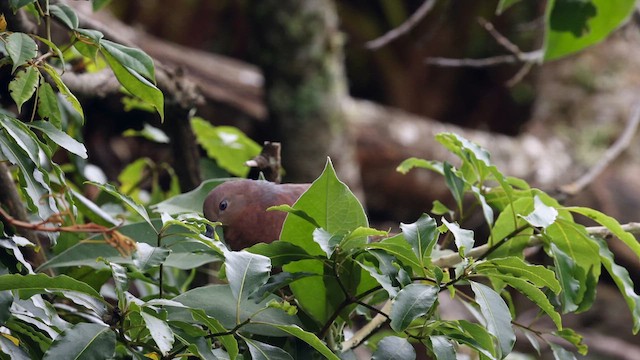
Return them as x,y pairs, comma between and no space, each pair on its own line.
40,283
422,235
571,277
228,341
189,202
398,247
473,335
560,353
23,85
60,137
83,341
133,59
574,25
535,274
48,105
33,181
542,216
327,241
334,207
134,82
463,238
309,338
224,309
573,239
159,331
611,224
147,257
65,14
246,272
139,209
532,292
621,277
21,48
263,351
299,213
280,252
413,162
442,348
150,133
64,90
455,183
487,211
413,301
497,316
229,146
573,338
17,4
394,347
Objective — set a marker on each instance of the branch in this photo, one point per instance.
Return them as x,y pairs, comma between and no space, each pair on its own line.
618,147
525,57
404,28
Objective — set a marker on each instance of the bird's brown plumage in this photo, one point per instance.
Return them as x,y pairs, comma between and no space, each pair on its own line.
240,206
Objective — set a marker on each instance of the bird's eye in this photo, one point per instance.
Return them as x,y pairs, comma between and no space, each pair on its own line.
223,205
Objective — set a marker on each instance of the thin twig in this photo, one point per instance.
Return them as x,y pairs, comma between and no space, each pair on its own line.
404,28
618,147
532,56
501,39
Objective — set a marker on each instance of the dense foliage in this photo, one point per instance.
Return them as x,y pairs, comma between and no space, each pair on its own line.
122,288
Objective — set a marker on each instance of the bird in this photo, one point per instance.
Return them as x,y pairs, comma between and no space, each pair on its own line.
241,207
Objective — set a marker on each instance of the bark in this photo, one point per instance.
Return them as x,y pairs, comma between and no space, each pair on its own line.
299,49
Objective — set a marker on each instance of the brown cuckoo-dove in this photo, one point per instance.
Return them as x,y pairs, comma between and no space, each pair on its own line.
241,207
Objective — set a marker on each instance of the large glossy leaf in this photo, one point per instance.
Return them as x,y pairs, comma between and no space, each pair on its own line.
413,301
246,272
160,332
401,249
23,85
334,207
264,351
309,338
571,278
85,341
611,224
573,240
64,90
229,146
394,348
139,209
65,14
497,315
34,185
228,341
542,215
280,252
60,137
538,275
622,279
574,25
147,257
48,107
463,237
442,348
422,235
189,202
131,58
135,83
223,308
20,48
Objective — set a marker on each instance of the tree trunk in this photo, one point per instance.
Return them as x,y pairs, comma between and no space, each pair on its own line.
299,48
